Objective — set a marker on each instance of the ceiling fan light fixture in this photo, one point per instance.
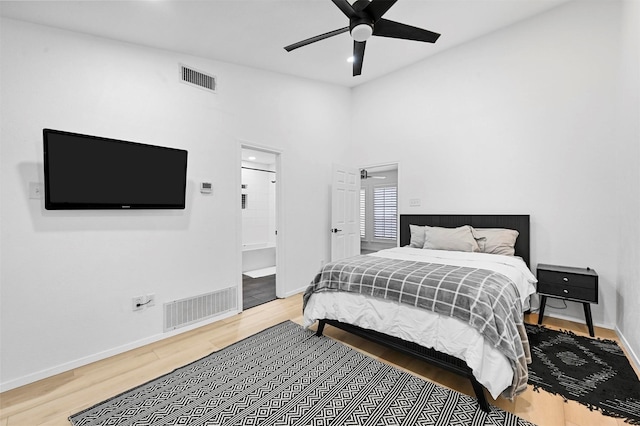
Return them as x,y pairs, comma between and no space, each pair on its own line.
365,16
361,32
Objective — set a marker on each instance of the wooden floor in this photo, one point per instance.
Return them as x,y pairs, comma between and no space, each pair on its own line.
51,401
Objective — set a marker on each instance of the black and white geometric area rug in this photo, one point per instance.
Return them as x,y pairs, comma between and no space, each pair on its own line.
285,375
593,372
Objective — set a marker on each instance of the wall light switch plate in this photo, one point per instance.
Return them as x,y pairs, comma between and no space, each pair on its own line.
35,190
415,202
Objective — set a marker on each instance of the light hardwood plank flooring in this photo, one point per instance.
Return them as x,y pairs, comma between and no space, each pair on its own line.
51,401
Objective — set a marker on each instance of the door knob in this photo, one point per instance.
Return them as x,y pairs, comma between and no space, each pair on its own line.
336,230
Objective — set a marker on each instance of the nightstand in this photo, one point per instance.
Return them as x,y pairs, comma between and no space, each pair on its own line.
567,283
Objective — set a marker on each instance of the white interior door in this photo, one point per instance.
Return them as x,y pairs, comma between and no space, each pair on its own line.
345,212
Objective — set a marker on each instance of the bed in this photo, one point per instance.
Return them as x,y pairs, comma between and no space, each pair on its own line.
491,351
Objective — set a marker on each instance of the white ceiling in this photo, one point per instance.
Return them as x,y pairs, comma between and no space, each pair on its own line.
256,156
254,32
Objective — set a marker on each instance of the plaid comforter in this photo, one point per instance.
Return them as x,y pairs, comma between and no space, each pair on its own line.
486,300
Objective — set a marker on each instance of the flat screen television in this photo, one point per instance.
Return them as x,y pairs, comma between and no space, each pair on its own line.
91,172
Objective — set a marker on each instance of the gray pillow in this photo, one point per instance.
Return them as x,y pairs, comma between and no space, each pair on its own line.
417,236
454,239
496,240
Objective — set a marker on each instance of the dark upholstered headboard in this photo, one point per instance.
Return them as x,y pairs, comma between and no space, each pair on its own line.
518,222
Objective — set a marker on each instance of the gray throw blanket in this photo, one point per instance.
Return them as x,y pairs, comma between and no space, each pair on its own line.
488,301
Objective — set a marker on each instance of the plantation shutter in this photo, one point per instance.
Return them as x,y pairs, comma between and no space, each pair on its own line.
385,212
363,210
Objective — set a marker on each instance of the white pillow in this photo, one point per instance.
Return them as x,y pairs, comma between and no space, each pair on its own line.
454,239
496,240
417,236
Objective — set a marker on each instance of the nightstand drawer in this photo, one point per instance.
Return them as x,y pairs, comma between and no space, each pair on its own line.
587,294
567,279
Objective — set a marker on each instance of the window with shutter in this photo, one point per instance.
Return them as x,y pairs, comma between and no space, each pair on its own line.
363,210
385,211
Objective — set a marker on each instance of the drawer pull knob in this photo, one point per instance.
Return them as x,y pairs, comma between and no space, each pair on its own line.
566,291
565,279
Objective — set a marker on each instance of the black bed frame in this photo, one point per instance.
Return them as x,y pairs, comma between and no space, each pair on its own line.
518,222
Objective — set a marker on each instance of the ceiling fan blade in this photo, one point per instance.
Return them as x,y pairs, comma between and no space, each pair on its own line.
386,28
316,38
346,8
377,8
358,56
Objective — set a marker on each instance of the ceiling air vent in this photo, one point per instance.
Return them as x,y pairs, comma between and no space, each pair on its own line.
197,78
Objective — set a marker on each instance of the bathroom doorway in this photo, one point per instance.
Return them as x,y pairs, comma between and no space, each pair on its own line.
259,177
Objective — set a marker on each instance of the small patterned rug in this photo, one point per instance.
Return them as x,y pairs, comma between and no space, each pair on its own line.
285,375
593,372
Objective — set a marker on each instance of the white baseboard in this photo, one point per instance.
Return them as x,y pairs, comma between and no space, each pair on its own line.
632,355
574,319
296,291
49,372
62,368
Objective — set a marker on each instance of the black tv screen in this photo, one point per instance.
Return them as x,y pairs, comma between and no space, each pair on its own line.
91,172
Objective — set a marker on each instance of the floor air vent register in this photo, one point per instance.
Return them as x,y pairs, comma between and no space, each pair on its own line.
181,313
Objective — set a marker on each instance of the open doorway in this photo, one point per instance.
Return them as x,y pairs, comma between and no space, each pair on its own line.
378,207
259,232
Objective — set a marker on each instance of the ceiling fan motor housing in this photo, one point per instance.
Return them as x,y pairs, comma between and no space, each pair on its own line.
361,28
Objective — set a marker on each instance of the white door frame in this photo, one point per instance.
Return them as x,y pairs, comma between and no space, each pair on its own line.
280,225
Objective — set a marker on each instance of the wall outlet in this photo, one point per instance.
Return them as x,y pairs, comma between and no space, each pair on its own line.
137,303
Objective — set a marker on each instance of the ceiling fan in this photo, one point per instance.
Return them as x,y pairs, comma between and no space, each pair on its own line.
365,20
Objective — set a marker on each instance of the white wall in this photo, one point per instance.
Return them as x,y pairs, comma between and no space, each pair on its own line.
519,121
68,277
628,194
